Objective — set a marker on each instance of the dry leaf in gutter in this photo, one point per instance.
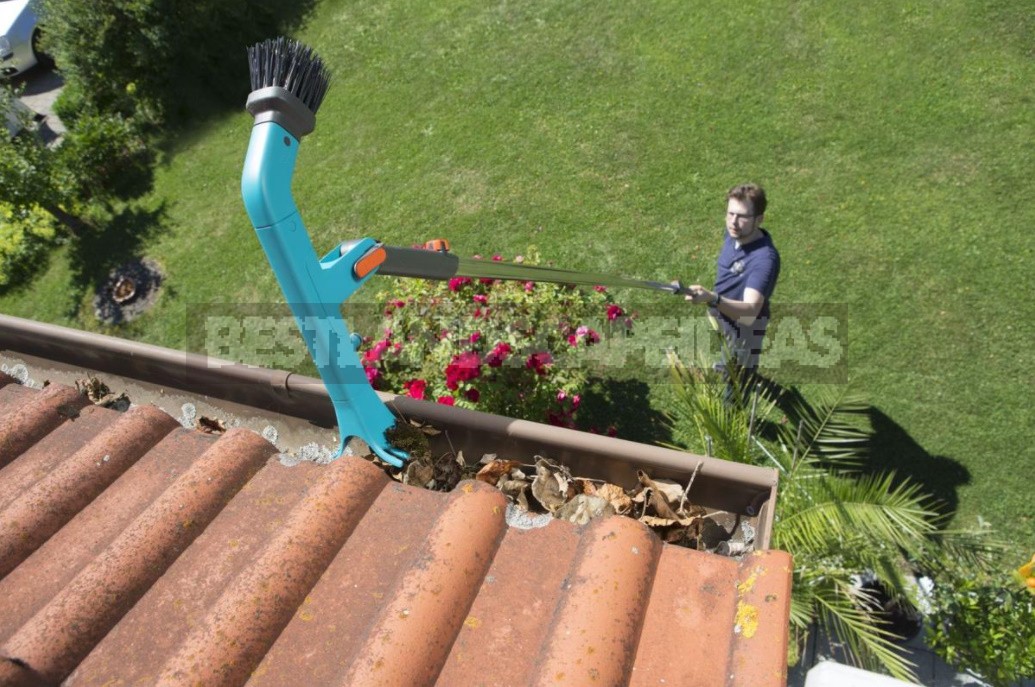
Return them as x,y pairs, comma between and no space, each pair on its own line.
583,508
210,425
496,470
419,473
516,490
448,473
616,496
551,484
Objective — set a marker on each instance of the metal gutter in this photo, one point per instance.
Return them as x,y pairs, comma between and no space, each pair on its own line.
743,489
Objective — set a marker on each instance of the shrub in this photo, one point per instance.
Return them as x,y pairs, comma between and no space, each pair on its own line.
24,239
151,58
508,347
104,157
840,523
983,623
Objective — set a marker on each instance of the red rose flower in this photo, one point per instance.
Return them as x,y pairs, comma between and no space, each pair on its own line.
462,368
415,388
539,362
498,354
457,282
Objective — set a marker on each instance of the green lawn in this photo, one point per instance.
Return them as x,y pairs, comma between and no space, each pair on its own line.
895,139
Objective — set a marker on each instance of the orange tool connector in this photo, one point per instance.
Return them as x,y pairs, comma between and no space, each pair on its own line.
440,245
369,262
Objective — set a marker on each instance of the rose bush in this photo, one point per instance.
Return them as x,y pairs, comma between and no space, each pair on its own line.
507,347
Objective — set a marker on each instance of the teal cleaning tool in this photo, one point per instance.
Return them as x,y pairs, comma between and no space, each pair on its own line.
289,82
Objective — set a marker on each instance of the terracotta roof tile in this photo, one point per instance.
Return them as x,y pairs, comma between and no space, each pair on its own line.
133,551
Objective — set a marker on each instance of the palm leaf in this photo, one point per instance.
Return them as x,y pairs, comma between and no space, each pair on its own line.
832,427
871,508
869,645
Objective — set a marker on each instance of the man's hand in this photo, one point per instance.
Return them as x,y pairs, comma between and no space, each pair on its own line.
695,293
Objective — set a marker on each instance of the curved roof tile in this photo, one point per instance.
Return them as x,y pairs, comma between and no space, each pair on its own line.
133,551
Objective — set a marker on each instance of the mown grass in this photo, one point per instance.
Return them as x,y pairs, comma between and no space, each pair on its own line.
895,139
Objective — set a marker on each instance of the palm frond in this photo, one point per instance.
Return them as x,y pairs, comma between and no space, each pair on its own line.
702,416
869,645
871,508
831,427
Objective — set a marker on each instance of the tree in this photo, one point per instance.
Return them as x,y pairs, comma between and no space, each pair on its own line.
836,521
101,159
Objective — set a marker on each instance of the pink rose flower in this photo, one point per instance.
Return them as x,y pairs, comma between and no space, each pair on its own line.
415,388
480,298
372,374
529,286
445,400
498,354
539,362
457,282
475,337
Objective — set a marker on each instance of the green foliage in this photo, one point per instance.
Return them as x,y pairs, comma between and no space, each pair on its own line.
984,623
25,236
71,103
103,158
837,523
149,58
508,347
702,419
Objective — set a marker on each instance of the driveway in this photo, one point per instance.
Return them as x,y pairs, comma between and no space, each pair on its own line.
40,89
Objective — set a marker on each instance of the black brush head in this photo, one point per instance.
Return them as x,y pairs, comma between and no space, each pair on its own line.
288,64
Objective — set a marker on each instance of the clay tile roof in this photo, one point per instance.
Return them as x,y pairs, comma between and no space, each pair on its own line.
134,551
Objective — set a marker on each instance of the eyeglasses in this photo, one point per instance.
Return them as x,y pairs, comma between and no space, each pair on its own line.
736,216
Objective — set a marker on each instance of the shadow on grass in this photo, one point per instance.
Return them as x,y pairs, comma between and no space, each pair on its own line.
623,404
95,253
212,61
892,449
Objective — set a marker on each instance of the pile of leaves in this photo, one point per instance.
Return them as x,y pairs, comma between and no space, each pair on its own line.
548,487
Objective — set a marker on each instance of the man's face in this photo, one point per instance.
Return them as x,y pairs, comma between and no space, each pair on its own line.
741,220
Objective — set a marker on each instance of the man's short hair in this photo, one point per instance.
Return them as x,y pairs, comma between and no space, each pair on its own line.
749,193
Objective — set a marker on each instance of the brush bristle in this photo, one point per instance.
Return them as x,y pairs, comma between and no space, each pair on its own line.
292,66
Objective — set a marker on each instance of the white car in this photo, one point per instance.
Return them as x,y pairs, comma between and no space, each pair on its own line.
19,37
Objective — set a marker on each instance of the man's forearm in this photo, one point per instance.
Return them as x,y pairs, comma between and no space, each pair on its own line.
745,313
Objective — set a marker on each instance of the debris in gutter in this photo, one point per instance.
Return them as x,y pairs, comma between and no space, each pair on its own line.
99,394
547,490
210,425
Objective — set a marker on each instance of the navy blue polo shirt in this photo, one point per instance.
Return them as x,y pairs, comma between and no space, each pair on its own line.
755,266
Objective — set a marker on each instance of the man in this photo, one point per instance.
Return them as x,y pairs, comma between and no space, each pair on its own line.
748,267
